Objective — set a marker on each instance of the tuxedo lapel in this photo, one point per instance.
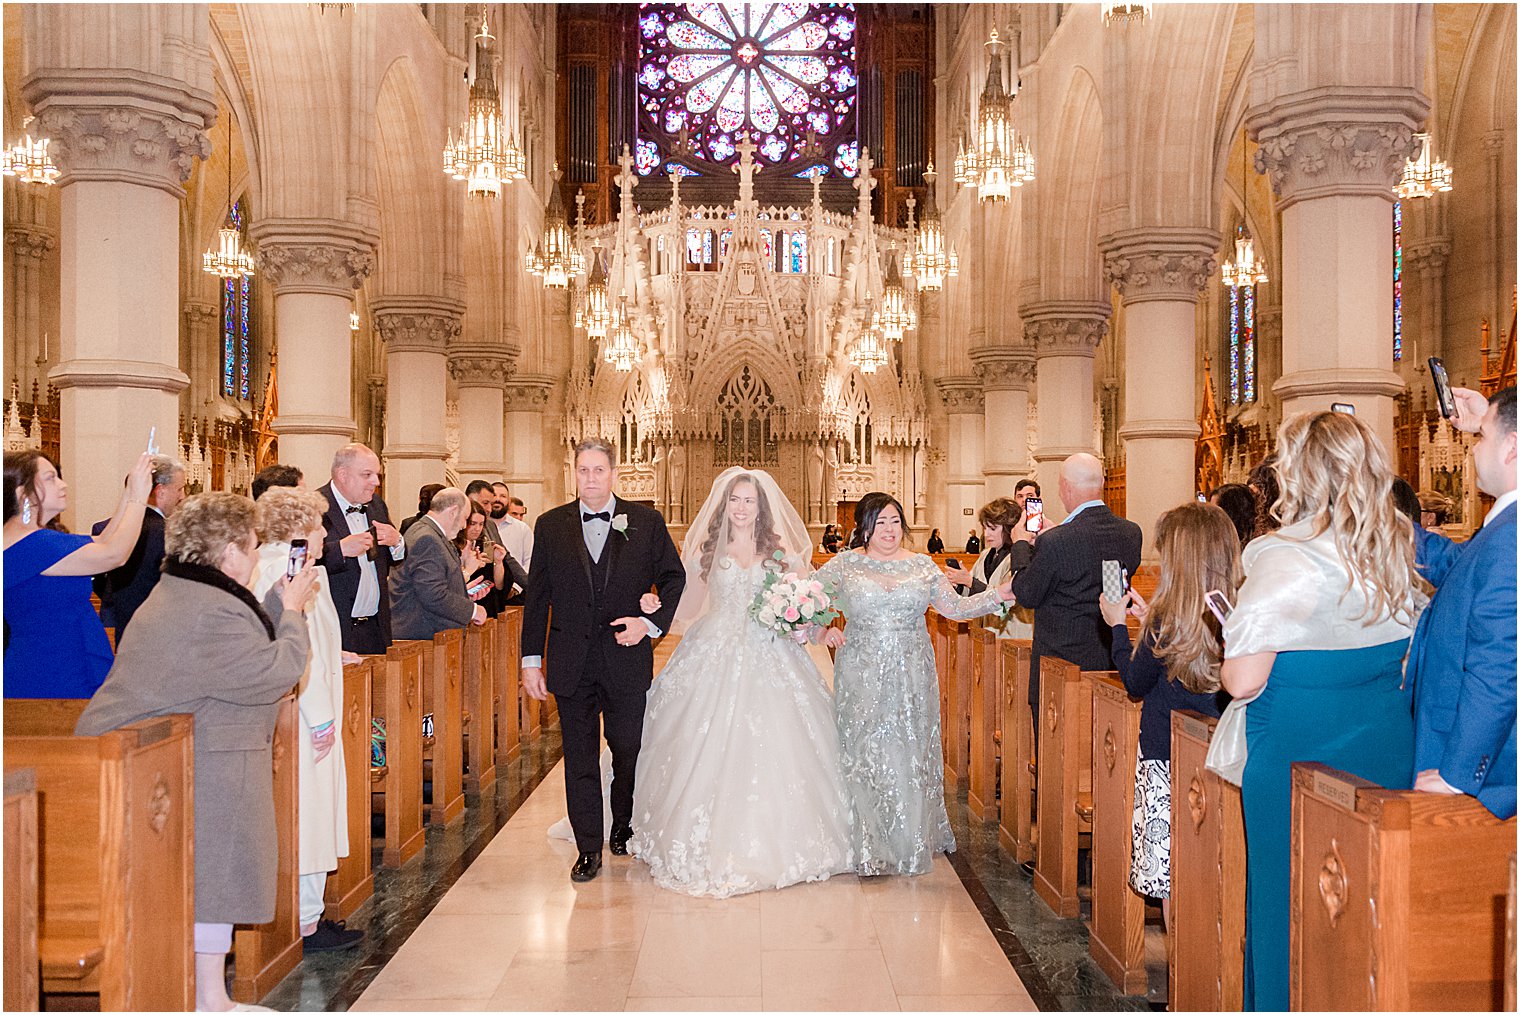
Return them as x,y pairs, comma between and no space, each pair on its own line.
578,538
614,547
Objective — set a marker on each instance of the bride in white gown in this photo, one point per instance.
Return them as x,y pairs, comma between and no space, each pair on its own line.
738,784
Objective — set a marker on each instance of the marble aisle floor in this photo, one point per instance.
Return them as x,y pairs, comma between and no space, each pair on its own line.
514,934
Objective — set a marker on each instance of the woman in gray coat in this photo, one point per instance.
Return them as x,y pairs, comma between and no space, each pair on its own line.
201,644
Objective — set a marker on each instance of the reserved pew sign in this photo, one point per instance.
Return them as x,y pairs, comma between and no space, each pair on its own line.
1337,791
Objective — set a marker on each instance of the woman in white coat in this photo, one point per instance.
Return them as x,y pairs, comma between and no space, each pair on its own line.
286,514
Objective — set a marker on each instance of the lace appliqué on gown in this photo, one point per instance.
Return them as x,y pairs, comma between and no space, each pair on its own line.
886,694
738,785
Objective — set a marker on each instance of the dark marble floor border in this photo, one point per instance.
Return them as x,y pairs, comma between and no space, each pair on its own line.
1028,972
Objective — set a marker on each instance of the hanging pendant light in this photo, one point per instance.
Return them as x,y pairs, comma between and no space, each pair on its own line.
998,158
485,155
596,311
1424,175
896,316
28,159
621,348
1125,12
868,352
1245,269
555,258
932,263
228,259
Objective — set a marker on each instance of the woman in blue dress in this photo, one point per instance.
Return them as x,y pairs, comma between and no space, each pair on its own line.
55,644
1321,630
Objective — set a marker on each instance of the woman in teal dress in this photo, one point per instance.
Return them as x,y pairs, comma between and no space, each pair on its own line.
55,645
1321,630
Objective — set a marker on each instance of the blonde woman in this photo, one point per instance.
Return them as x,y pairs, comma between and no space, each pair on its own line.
286,514
1320,630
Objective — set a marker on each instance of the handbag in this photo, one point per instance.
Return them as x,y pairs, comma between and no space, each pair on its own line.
1227,749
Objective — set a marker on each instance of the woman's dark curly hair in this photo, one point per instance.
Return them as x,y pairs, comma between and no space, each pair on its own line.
868,510
1263,482
767,542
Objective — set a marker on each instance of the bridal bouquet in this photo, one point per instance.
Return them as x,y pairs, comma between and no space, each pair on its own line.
789,603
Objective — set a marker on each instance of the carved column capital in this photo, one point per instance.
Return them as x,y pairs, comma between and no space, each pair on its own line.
125,143
1332,141
1065,327
1160,264
1269,324
529,392
26,241
1429,256
1003,368
198,312
961,395
326,256
417,323
482,366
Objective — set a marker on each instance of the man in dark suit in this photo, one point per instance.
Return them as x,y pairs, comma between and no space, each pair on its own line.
429,595
1064,578
484,498
592,561
124,589
1462,657
360,549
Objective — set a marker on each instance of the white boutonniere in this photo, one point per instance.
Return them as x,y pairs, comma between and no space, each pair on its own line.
620,525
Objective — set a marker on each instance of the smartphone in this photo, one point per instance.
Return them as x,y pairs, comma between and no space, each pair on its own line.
1447,400
1203,498
1345,407
374,547
480,587
952,562
297,561
1218,604
1034,515
1113,581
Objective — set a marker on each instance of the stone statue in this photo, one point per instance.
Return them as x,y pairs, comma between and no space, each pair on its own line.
676,464
661,491
831,478
920,476
816,505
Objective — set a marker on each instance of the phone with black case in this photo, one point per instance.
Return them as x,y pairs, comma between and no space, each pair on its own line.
1447,400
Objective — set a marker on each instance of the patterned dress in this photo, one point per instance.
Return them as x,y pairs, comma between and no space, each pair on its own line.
886,705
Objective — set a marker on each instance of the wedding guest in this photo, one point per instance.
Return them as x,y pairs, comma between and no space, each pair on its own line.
275,475
491,561
936,544
886,691
832,539
1009,550
430,594
122,590
1405,499
1263,483
284,515
519,510
1435,509
1175,667
1320,631
202,644
1462,659
973,542
424,501
1022,491
56,645
516,534
1239,502
360,550
483,497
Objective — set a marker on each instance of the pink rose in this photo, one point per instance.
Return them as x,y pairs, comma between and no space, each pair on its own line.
791,614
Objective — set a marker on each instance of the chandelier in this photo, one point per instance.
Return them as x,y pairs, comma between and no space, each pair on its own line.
229,259
932,263
998,158
896,315
868,352
595,312
1125,11
554,258
28,159
1424,175
485,155
353,320
1245,269
621,349
339,7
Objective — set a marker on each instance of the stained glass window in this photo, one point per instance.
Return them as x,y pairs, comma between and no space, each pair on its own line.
782,73
1242,344
1398,280
237,297
799,252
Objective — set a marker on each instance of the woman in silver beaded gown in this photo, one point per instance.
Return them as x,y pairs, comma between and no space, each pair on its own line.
886,692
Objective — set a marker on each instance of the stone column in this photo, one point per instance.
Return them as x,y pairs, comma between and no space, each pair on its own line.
314,265
1159,274
523,443
417,332
964,487
1065,336
1334,154
202,353
125,139
480,373
27,246
1427,260
1006,373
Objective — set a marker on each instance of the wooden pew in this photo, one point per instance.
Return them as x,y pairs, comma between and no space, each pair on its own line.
1208,922
1016,818
480,705
982,752
1397,897
1509,941
1116,937
396,697
939,644
264,954
1064,774
509,694
952,655
23,981
42,717
353,882
117,872
443,698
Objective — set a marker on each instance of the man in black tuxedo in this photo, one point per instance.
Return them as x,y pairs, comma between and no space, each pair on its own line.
592,561
360,549
1063,580
124,589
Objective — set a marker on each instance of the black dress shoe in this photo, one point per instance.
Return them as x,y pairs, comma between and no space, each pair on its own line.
331,936
618,841
587,866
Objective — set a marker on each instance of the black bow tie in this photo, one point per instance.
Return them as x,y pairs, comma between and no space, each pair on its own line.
356,509
586,516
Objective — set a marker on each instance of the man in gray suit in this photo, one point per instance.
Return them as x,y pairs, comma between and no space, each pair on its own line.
428,595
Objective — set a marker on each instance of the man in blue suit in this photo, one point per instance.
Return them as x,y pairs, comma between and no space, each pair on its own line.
1462,657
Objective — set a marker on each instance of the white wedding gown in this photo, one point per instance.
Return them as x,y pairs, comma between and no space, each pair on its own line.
738,785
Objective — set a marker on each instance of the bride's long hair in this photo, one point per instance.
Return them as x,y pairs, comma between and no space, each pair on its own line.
767,540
